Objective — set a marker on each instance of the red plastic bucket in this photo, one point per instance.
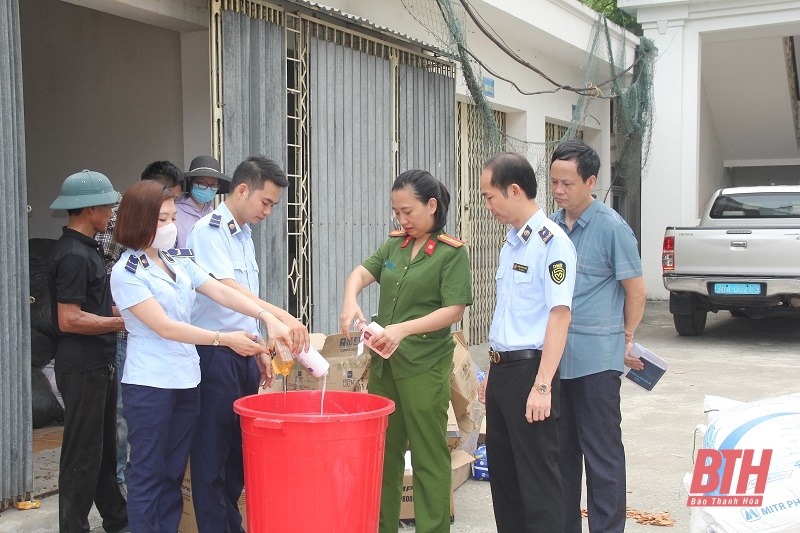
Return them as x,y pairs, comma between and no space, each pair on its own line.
307,472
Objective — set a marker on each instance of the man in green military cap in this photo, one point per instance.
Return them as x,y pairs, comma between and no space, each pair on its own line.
85,357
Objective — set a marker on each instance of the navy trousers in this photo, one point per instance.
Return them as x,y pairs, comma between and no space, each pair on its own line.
216,457
88,467
523,456
161,425
590,435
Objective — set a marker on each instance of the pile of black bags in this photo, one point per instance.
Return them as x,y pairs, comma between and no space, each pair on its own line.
46,407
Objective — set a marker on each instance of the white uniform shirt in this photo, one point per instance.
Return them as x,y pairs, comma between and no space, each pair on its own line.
536,273
152,360
226,251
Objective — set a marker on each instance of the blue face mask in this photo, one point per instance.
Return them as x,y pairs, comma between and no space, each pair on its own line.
203,195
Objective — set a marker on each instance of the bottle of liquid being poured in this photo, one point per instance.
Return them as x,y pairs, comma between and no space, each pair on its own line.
282,360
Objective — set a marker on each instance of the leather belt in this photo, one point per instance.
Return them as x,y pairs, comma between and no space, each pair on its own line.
513,355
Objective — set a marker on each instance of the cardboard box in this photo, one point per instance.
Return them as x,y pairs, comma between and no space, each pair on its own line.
348,371
463,379
461,469
188,523
463,433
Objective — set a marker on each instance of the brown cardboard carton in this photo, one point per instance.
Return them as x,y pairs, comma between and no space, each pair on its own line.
348,372
453,432
463,379
188,523
460,463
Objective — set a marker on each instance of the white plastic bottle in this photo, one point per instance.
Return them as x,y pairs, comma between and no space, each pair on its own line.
314,362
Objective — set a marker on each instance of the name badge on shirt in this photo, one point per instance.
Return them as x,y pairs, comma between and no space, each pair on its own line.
388,264
520,268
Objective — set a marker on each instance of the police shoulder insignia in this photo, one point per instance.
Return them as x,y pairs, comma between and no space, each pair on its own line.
430,247
216,220
558,272
452,241
132,264
545,235
181,252
143,260
398,233
232,226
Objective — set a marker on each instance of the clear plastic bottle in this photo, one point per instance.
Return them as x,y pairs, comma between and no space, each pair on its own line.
282,360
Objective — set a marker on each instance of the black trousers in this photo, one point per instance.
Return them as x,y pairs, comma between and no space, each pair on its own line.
88,469
591,438
522,456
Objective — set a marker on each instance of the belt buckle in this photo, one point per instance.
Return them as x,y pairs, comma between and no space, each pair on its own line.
494,356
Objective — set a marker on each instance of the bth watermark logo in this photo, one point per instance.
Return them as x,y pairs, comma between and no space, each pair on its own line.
712,479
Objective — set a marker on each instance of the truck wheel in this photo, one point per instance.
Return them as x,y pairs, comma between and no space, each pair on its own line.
690,325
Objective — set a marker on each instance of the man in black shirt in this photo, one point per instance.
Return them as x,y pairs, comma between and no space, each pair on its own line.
85,357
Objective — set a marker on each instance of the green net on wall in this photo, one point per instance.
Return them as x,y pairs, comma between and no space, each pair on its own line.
604,77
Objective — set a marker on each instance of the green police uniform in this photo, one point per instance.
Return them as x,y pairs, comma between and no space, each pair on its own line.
417,375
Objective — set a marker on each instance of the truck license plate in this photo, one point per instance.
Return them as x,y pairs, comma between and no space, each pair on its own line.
737,288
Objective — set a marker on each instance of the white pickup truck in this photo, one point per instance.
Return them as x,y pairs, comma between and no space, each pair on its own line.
744,257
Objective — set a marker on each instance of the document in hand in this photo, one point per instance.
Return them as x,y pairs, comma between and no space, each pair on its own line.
654,368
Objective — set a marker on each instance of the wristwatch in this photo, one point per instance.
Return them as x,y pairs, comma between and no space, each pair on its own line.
216,339
544,388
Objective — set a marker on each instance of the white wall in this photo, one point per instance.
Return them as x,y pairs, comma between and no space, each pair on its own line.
711,171
196,84
100,92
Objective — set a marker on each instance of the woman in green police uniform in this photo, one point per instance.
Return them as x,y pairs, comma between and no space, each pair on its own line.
424,288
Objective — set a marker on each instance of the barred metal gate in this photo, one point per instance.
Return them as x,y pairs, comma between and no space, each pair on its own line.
483,234
552,134
16,457
355,110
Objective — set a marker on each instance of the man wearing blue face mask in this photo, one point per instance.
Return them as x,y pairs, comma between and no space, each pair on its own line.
203,182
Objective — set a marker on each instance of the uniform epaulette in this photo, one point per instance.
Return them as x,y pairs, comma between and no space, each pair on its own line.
216,220
181,252
398,233
545,234
452,241
132,264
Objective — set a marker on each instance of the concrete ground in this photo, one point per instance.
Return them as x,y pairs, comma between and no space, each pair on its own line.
736,358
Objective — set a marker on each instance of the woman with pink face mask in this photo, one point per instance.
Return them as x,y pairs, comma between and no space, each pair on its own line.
154,287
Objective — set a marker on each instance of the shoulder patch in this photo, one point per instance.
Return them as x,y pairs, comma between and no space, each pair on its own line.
181,252
545,234
452,241
526,234
132,264
558,272
398,233
216,220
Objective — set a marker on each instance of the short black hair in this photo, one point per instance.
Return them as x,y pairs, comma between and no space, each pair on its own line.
508,168
165,172
425,186
584,155
255,171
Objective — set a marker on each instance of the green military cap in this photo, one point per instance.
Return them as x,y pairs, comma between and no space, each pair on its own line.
87,188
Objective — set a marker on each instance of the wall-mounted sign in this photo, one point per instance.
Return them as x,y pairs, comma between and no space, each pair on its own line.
488,87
